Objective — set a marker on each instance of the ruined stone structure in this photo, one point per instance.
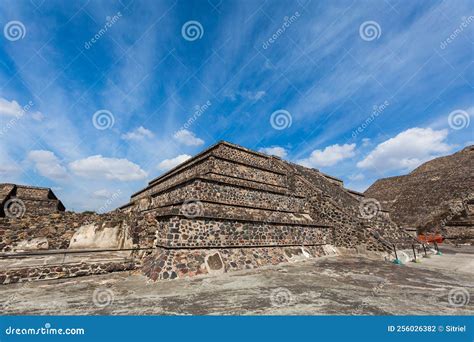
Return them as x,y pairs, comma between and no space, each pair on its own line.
232,208
437,196
18,200
227,208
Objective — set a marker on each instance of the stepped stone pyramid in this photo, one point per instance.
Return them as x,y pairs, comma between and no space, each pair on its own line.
22,200
437,196
233,208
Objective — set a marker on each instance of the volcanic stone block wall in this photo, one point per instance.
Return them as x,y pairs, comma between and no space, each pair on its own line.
47,272
208,191
245,207
21,200
231,183
53,233
32,193
332,204
185,232
178,263
40,207
57,228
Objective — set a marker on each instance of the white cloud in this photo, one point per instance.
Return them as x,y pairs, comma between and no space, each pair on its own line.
329,156
37,116
187,138
47,164
10,108
356,177
138,134
8,170
99,167
170,163
13,109
407,150
102,194
255,95
274,151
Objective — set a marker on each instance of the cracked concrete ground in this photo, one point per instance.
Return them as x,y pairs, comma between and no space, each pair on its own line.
343,285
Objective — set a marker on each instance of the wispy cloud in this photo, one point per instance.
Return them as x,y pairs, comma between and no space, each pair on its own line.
151,79
138,134
167,164
188,138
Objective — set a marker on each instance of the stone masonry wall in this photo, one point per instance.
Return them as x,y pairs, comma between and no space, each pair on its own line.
203,190
33,193
47,272
57,228
171,264
185,232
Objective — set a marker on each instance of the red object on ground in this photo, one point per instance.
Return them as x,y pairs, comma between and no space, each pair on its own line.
430,238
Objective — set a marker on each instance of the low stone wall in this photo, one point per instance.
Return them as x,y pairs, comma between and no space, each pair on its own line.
180,263
57,228
460,234
48,272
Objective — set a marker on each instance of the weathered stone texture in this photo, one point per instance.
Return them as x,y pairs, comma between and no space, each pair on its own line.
241,198
227,208
185,232
171,264
32,200
432,195
48,272
57,228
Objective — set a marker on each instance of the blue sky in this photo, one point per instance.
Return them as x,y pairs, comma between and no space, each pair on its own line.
97,98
